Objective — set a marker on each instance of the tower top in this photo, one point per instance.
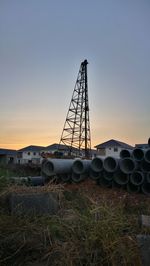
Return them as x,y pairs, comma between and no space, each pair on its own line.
85,62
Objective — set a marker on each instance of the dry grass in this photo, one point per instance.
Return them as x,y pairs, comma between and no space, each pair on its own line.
85,231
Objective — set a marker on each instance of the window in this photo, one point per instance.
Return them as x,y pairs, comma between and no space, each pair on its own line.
115,149
34,153
28,153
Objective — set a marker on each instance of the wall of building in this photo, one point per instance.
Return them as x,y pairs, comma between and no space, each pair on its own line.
110,151
29,157
8,159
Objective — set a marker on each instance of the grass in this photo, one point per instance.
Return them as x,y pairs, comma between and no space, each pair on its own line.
84,232
13,170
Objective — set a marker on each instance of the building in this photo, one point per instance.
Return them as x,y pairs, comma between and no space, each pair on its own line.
61,149
8,156
112,148
53,148
142,146
30,154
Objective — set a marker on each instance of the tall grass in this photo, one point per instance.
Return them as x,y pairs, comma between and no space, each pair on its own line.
82,233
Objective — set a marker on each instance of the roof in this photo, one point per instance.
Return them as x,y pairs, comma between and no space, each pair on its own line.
7,152
32,148
143,146
56,145
114,143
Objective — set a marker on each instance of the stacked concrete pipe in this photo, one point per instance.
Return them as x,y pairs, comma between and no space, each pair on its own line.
111,164
130,171
59,168
125,153
81,166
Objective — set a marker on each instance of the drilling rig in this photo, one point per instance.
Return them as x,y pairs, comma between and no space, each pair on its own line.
76,134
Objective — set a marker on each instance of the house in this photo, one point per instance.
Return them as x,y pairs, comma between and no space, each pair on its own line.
8,156
54,148
30,154
142,146
59,148
112,148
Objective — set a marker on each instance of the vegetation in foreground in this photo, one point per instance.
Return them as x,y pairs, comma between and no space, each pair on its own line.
84,232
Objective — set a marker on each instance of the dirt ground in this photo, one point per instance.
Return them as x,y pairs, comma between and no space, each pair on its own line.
114,195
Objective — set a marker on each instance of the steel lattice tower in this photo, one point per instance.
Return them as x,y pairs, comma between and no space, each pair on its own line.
76,131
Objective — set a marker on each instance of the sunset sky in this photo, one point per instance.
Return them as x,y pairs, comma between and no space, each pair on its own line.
43,42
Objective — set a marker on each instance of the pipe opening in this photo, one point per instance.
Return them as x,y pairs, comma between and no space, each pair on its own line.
138,154
107,175
64,177
78,167
127,165
148,177
48,168
110,164
121,178
97,164
76,177
145,166
137,178
94,175
125,154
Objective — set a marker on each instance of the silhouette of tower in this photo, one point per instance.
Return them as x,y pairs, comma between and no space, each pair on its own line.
76,130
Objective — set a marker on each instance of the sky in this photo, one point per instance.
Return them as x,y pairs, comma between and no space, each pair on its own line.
42,44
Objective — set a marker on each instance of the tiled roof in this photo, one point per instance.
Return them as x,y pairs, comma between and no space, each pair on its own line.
113,143
7,152
32,148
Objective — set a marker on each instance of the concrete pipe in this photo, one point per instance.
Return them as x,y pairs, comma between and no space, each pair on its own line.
132,188
145,166
94,175
36,181
110,164
57,166
137,178
148,177
147,155
127,165
138,154
107,175
81,166
125,154
146,188
64,177
77,178
115,185
97,164
121,178
104,182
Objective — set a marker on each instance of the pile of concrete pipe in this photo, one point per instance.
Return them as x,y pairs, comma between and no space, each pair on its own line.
131,171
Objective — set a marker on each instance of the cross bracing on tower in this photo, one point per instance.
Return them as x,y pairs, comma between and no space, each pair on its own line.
76,131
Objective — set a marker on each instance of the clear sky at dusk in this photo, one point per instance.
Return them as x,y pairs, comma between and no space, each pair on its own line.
43,42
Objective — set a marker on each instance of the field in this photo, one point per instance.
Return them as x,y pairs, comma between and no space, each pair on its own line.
94,226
